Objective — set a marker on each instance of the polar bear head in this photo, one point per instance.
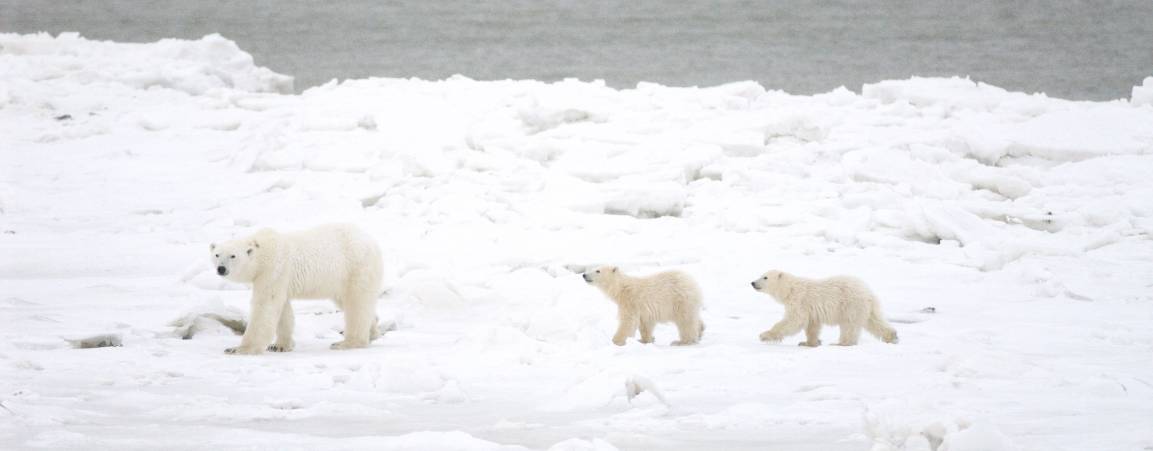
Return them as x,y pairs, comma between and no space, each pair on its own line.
601,276
774,283
235,260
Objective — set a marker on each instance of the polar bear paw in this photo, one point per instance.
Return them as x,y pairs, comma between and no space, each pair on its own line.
770,336
810,344
619,341
281,348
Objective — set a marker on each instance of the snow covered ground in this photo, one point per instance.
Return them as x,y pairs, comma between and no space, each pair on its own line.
1025,222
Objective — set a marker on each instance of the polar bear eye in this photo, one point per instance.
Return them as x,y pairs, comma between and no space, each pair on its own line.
217,255
598,271
231,256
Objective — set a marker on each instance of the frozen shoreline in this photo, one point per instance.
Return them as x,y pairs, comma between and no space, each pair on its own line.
1024,220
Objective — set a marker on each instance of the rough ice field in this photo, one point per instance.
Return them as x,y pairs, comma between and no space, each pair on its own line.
1024,221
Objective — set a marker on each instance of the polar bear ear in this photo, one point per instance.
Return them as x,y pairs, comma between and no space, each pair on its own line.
250,251
614,269
212,246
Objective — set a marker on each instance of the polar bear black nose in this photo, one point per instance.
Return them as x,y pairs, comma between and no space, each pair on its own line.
754,284
222,270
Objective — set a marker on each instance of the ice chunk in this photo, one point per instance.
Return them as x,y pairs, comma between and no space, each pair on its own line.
1143,95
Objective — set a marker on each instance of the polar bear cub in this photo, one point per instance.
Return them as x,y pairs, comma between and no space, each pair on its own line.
842,301
336,261
643,302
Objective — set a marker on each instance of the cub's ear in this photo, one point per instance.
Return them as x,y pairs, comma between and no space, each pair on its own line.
212,246
250,251
614,269
780,275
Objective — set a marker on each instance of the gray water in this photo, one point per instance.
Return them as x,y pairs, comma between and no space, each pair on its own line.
1092,50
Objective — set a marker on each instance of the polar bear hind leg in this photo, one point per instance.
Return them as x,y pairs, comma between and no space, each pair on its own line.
689,330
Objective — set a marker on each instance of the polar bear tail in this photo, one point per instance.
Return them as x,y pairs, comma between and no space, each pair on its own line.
881,329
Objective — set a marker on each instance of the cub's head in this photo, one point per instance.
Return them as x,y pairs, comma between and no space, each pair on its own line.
234,260
600,275
770,282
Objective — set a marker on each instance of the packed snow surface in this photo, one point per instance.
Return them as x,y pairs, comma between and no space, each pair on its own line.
1008,236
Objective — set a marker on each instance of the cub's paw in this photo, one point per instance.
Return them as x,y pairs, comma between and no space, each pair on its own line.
683,343
280,348
770,337
808,344
618,341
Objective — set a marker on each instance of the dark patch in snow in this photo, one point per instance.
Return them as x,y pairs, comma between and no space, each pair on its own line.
97,341
64,117
913,317
192,324
371,200
644,213
539,121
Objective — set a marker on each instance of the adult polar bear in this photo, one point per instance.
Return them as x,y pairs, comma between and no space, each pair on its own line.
335,261
843,301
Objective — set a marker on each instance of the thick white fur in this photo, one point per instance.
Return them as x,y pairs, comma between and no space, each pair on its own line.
842,301
336,261
642,302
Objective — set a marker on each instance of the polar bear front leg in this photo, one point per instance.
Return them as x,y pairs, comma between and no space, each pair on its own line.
626,328
812,334
647,325
266,310
284,328
790,324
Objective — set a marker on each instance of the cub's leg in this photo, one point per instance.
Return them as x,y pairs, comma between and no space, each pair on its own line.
689,330
812,334
647,326
790,324
849,334
626,328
